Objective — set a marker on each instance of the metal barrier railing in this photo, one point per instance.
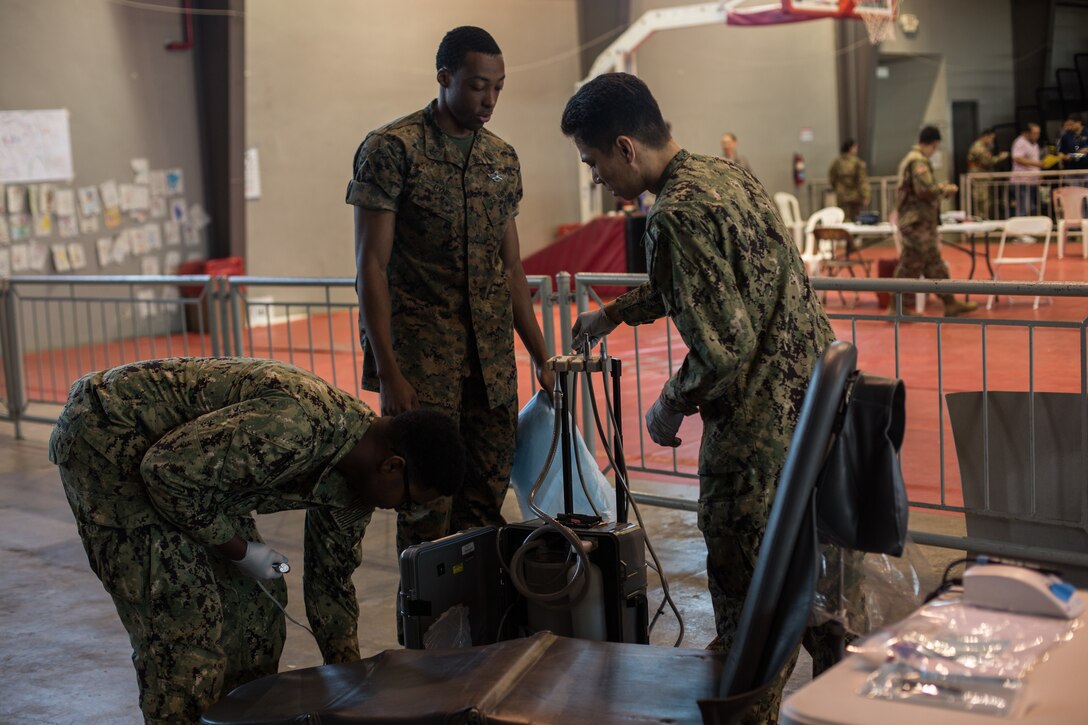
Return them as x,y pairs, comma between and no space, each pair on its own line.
881,332
992,195
1002,195
54,329
882,189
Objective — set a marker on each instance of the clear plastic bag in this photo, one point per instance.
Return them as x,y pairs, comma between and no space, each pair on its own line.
864,592
957,656
451,630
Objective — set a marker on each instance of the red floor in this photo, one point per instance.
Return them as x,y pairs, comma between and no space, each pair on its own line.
327,345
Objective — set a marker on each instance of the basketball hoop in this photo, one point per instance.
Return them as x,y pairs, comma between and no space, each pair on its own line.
879,18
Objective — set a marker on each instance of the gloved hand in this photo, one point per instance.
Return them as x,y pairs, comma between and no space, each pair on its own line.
594,324
260,561
662,422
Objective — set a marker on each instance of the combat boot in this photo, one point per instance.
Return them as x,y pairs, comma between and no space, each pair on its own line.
955,308
907,311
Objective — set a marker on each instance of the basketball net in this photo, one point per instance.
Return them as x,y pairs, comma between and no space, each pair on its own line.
879,19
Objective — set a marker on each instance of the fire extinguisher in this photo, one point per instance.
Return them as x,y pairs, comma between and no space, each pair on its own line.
798,170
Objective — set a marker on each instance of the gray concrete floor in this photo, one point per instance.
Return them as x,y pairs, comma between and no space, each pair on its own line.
65,658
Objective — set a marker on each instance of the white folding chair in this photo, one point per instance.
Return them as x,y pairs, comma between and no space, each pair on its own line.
1024,226
812,256
1069,204
790,209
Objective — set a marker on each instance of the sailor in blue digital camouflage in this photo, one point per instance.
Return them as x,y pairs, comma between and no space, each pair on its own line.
439,277
163,462
918,204
723,267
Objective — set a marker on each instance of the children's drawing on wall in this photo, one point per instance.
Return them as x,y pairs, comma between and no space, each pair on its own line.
5,235
153,232
5,262
141,170
38,256
19,226
89,209
20,258
175,182
138,239
104,247
89,204
151,265
43,224
77,256
158,207
191,233
171,232
158,183
111,203
61,263
198,217
16,197
122,247
179,212
171,261
66,213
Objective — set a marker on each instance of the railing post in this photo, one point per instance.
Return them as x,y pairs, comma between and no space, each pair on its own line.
211,300
547,314
563,299
234,295
13,363
581,298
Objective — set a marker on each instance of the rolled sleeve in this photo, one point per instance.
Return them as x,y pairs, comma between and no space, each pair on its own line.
379,172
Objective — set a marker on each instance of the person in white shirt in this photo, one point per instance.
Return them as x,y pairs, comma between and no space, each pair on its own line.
1025,167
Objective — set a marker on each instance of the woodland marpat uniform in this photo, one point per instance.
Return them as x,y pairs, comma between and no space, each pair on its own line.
451,313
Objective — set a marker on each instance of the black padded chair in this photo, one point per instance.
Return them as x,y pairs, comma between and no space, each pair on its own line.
549,679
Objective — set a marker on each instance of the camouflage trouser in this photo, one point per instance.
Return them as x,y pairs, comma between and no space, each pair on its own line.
198,627
489,435
980,200
921,255
734,504
851,209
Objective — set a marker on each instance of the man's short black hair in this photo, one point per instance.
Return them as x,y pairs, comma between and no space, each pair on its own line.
1030,125
432,448
988,131
461,41
613,105
1076,118
929,134
847,145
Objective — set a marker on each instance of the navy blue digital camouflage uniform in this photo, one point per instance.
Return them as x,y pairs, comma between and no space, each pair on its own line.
162,460
724,267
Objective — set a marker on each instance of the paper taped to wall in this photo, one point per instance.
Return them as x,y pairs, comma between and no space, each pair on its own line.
35,146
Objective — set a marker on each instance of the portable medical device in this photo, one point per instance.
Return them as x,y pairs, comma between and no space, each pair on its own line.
568,573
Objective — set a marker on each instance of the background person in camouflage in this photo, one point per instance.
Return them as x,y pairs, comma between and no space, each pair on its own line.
440,282
162,462
981,159
724,267
918,205
849,178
